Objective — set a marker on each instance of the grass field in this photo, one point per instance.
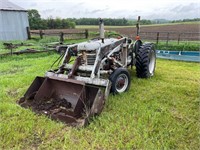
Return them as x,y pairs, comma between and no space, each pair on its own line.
157,113
174,46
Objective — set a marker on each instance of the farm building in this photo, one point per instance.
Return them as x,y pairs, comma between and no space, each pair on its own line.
13,22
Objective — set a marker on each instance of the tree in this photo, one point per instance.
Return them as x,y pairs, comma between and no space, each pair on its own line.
36,22
50,23
34,18
58,23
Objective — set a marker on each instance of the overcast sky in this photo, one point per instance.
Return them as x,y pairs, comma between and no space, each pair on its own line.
147,9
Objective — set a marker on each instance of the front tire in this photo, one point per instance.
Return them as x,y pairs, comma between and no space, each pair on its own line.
120,79
146,61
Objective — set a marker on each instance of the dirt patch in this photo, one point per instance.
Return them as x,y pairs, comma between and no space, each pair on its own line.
187,31
47,106
51,104
164,28
56,109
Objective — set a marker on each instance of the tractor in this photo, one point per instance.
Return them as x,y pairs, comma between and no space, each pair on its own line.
77,90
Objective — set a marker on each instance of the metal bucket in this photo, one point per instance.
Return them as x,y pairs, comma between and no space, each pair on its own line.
66,100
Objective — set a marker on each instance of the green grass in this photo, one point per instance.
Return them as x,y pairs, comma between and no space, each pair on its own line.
157,113
181,46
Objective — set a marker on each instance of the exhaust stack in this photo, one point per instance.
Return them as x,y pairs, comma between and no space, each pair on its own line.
138,26
101,29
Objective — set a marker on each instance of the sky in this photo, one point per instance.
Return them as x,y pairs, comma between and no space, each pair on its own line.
130,9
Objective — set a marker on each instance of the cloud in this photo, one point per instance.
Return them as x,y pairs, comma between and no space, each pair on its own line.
48,10
78,4
99,10
147,9
186,8
33,4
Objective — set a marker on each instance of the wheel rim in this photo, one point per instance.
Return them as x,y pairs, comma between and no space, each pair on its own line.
129,59
121,83
152,61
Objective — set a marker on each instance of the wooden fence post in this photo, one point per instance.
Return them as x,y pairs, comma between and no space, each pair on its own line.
86,33
179,37
11,51
157,38
28,33
61,37
41,34
167,39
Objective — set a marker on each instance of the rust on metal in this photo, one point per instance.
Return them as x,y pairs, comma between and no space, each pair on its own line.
66,100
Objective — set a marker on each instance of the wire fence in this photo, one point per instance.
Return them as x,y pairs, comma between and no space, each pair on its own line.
170,36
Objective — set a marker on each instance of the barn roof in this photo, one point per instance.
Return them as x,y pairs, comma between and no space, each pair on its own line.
8,6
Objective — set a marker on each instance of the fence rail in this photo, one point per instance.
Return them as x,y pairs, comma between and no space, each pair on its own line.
152,35
61,34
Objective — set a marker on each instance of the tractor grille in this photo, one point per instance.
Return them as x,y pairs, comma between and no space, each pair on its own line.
91,59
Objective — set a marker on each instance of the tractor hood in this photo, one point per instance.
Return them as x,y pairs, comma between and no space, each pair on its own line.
94,45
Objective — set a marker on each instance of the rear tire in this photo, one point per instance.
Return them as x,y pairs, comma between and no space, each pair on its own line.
120,79
146,61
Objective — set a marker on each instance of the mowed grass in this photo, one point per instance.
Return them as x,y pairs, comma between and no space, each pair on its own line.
157,113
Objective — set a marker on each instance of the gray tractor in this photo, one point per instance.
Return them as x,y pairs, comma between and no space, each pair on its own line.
89,72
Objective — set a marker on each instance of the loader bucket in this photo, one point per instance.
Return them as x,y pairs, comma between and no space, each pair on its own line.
66,100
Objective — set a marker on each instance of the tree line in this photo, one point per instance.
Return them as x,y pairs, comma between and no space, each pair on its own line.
186,20
109,21
36,22
95,21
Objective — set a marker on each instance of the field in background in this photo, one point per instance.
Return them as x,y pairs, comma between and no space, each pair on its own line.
165,24
157,113
177,36
130,31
